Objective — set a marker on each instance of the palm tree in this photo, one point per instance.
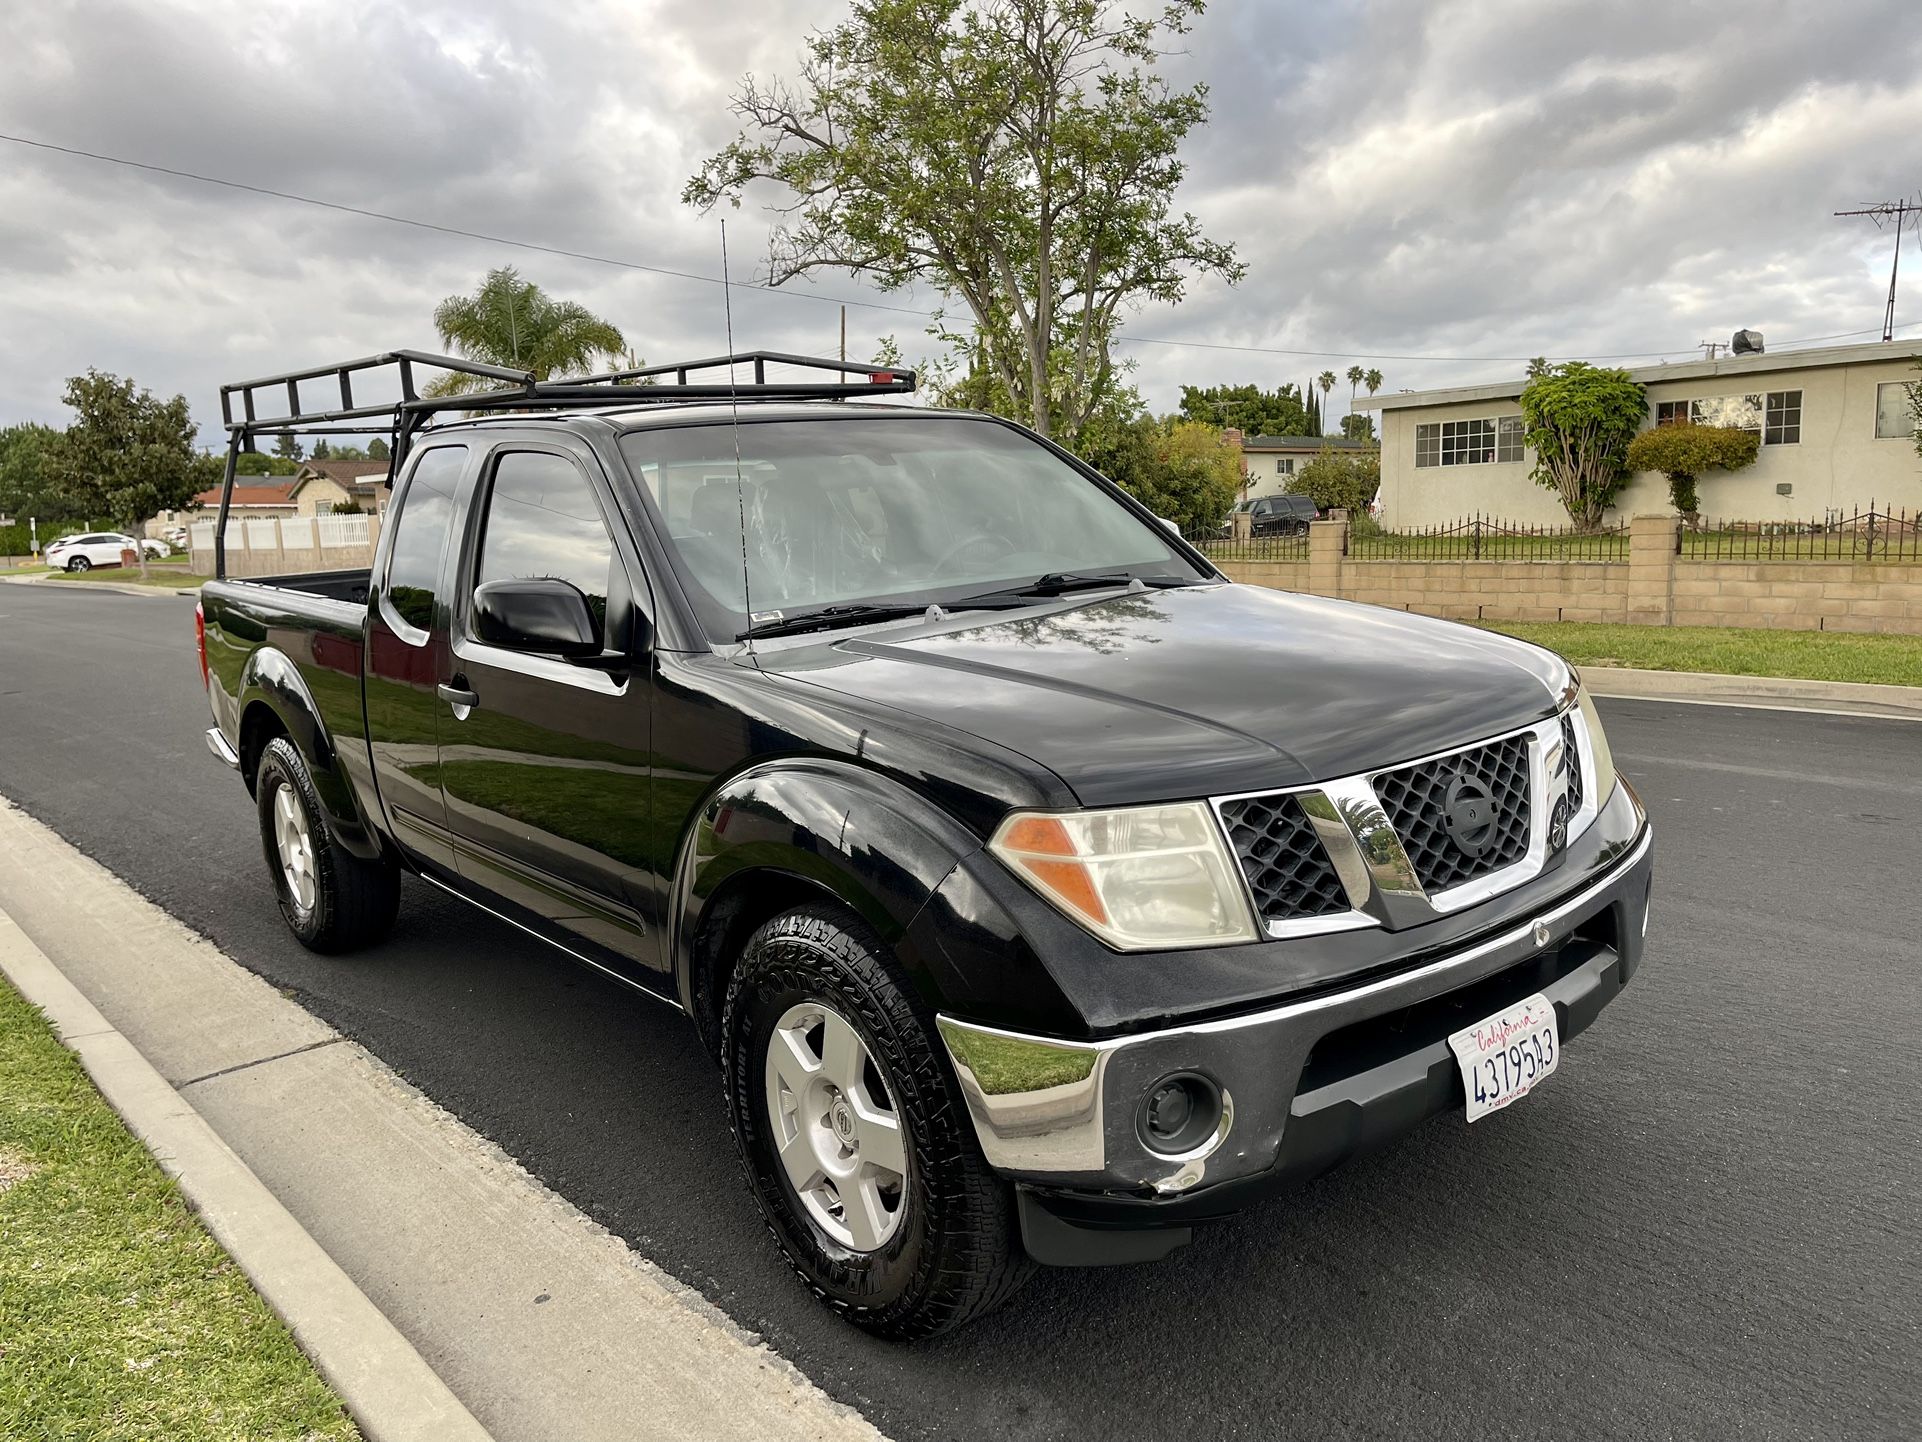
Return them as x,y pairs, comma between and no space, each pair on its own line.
1372,380
1326,380
1354,382
513,322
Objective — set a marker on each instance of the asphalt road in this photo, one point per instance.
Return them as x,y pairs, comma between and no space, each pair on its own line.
1708,1225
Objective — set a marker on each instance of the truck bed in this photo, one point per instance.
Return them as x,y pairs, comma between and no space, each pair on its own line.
348,586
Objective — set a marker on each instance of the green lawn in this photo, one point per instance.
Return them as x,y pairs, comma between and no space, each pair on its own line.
120,1318
1811,655
174,575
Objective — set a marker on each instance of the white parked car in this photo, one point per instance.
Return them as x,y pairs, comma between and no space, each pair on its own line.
97,548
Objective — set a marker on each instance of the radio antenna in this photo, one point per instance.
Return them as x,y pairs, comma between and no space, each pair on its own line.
734,413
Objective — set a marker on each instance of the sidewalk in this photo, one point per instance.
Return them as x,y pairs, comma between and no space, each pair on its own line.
541,1323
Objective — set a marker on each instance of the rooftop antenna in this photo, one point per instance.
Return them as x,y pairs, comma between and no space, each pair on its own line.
1899,211
734,413
1709,347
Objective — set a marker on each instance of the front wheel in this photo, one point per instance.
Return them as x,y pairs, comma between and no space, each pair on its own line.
854,1135
330,899
79,563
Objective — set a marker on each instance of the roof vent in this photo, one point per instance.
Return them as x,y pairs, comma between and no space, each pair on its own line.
1746,342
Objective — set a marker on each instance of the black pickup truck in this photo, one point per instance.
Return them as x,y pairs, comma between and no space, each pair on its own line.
1040,892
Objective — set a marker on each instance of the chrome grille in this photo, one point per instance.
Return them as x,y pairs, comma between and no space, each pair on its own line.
1414,800
1287,870
1572,762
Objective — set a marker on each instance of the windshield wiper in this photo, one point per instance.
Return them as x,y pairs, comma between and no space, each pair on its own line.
1059,583
827,617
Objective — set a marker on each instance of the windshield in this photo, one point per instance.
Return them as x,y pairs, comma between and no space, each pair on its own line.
888,510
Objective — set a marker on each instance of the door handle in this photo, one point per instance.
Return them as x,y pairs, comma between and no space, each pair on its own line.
456,695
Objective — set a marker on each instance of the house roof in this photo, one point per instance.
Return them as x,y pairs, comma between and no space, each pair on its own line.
1303,443
1737,365
265,494
346,470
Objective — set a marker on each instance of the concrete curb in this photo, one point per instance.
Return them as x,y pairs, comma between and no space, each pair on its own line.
116,587
391,1392
1846,698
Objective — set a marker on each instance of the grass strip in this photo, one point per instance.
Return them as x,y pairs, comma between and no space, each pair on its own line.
1731,651
120,1317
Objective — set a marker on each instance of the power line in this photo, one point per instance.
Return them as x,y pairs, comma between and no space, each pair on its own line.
1122,338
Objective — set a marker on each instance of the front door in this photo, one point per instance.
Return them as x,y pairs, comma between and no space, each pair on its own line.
407,654
545,763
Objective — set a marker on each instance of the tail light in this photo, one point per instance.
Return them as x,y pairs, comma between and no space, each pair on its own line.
200,641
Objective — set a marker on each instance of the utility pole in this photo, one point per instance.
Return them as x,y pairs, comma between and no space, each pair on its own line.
1709,347
844,333
1899,211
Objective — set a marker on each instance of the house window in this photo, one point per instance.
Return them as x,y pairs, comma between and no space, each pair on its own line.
1894,421
323,508
1783,426
1774,418
1508,443
1455,443
1285,466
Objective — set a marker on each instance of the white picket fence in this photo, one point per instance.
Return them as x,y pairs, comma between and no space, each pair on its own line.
257,547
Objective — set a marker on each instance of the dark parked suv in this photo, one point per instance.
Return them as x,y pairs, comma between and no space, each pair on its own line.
1040,893
1283,515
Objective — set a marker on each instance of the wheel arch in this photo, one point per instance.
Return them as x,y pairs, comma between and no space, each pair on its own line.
274,700
782,834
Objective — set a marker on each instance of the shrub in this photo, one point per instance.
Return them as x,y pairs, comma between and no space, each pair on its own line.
1348,480
1684,452
1185,470
1580,419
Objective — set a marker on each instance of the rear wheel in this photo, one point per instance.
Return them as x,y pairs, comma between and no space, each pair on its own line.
331,899
855,1138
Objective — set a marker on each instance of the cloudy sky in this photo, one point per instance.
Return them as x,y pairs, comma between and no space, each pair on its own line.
1436,189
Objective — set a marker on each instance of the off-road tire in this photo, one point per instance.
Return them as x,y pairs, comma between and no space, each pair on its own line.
957,1253
355,901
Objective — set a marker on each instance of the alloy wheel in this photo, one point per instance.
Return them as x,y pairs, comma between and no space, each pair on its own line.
294,841
834,1127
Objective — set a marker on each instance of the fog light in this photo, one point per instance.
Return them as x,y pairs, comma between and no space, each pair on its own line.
1179,1113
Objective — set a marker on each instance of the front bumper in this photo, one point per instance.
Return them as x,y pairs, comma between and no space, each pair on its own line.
1304,1085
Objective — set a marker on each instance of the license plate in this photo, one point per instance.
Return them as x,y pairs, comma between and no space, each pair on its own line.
1503,1057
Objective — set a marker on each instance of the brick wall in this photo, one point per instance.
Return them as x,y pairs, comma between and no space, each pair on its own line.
1653,587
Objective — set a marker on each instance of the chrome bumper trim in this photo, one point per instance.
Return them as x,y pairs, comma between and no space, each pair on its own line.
1062,1128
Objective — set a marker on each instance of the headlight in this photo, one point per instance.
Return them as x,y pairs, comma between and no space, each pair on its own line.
1597,748
1142,878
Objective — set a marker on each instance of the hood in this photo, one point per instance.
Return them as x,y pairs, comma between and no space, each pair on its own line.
1197,691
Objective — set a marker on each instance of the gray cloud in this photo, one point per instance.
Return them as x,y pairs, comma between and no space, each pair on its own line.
1475,178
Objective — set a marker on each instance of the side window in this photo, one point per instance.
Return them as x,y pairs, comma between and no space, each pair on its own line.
420,536
543,521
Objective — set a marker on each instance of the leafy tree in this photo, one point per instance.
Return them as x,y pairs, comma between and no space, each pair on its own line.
1683,452
254,463
1187,471
1020,156
1913,390
1358,426
513,322
1580,419
377,450
1355,374
1372,379
321,452
127,454
26,488
1248,408
1334,479
287,446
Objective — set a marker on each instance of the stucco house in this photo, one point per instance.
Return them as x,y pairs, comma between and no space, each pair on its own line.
1834,424
1270,462
264,498
323,487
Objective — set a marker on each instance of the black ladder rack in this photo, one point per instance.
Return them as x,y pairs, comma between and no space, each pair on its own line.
518,391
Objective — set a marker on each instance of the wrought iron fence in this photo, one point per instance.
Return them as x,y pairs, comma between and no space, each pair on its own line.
1219,544
1486,538
1860,535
